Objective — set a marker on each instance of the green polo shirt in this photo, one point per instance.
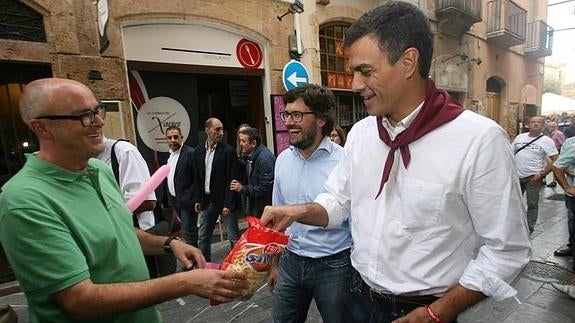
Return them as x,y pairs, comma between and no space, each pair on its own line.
59,227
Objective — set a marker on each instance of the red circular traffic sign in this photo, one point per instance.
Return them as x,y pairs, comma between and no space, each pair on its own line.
249,53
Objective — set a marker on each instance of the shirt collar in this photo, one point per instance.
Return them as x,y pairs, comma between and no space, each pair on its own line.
176,151
55,171
208,146
325,145
402,124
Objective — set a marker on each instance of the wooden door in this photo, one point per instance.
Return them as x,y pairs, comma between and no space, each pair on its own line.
493,106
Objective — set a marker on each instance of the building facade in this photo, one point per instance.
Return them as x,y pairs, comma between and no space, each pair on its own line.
161,63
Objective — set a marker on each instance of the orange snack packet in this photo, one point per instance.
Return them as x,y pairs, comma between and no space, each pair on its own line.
252,254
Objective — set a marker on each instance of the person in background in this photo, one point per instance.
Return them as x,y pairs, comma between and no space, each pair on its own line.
133,173
181,185
259,168
238,147
338,135
558,138
562,169
242,176
69,236
441,225
570,130
532,149
316,264
216,164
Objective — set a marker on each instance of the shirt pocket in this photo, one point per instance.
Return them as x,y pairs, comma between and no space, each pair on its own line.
420,203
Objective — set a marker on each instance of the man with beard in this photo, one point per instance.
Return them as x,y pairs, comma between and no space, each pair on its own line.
429,188
181,187
316,262
531,152
67,232
216,165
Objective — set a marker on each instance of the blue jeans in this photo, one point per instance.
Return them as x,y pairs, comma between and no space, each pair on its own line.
189,226
532,199
301,279
360,308
208,219
570,204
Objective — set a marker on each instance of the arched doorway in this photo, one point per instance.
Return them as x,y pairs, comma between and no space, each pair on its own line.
494,88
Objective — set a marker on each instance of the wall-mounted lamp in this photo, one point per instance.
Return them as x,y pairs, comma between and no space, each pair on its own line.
476,60
463,57
296,7
95,75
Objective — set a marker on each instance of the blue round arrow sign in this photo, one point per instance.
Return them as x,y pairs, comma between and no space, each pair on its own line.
294,74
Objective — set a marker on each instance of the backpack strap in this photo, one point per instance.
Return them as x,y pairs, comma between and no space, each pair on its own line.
114,158
527,144
115,169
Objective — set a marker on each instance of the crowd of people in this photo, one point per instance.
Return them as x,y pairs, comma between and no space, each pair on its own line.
393,222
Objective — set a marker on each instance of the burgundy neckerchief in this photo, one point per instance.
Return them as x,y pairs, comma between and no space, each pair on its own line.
438,108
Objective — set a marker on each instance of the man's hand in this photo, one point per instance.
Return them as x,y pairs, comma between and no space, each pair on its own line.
218,285
225,211
274,273
236,186
277,217
190,256
537,178
418,315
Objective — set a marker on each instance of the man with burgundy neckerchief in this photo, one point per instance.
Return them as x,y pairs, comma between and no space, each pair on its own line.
419,203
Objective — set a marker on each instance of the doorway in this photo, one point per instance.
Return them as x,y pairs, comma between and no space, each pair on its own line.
15,137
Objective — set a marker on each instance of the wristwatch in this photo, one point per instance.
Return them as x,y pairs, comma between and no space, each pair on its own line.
166,246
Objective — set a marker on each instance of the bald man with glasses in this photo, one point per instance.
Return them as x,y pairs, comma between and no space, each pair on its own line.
68,234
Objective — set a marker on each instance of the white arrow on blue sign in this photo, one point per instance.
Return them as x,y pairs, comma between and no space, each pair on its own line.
294,74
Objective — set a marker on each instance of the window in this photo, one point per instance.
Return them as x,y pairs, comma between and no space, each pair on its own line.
335,72
19,22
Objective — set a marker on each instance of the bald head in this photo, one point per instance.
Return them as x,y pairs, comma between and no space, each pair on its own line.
44,96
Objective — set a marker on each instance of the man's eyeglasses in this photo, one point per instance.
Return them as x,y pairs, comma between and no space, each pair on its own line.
296,116
86,118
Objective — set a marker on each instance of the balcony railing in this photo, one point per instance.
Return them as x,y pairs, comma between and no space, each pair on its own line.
539,39
471,8
506,23
458,15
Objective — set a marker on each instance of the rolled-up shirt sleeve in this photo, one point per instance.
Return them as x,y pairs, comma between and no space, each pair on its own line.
494,199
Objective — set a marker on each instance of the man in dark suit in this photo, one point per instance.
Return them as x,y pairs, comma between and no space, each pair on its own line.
181,184
260,172
216,165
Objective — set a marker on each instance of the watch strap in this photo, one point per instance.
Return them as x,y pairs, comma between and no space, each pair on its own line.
167,248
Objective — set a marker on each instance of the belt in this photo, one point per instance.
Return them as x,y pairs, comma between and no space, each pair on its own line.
393,300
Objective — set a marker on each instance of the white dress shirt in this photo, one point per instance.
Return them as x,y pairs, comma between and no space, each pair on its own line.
132,172
173,162
459,191
208,162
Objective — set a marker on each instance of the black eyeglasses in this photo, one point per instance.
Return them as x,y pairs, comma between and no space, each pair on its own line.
86,118
296,116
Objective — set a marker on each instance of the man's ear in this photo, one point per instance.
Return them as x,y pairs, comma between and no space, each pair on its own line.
321,122
409,62
40,128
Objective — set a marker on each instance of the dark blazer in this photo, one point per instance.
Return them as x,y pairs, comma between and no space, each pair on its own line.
184,177
260,181
224,169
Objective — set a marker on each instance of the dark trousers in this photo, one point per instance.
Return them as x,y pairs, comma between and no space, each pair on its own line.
368,306
532,189
570,204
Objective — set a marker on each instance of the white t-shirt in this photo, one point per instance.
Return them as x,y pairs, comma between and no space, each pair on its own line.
531,159
133,173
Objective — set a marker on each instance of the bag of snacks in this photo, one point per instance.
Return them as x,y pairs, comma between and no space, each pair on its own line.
252,254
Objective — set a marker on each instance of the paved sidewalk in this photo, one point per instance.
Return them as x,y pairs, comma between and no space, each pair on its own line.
537,301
